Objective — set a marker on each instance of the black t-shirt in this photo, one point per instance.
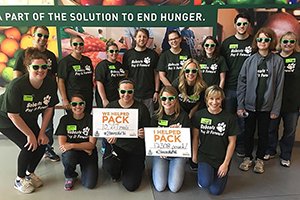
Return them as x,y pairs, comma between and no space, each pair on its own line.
134,145
77,74
262,75
291,88
172,63
141,66
76,131
168,120
235,53
110,74
52,62
214,130
21,97
211,69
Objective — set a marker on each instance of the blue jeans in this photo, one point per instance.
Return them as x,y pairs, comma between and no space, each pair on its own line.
208,179
168,171
88,166
287,140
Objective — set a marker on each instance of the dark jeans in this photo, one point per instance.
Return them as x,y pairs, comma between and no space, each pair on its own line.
208,179
88,166
287,140
27,160
125,165
49,131
262,119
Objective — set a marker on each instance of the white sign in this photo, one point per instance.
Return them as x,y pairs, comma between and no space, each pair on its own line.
171,142
115,122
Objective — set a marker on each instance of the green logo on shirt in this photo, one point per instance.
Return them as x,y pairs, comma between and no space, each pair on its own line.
183,57
206,121
111,67
290,60
76,67
194,97
28,98
163,122
71,128
203,66
233,46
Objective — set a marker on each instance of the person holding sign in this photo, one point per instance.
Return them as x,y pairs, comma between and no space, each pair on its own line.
75,75
108,74
169,170
170,61
124,158
77,145
25,98
215,130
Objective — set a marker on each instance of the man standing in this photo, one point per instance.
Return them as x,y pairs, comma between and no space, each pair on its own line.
235,50
40,40
141,62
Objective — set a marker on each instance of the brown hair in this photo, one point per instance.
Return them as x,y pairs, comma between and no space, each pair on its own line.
32,53
269,33
74,37
42,27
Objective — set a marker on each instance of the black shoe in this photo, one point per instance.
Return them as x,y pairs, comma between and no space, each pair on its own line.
50,154
193,166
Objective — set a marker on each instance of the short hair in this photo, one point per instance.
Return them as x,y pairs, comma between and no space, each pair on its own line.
74,37
242,15
78,95
289,33
269,33
143,30
109,44
42,27
174,31
32,53
126,81
213,90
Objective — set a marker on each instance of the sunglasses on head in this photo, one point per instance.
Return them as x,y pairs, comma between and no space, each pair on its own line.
42,35
288,41
263,40
113,51
37,67
75,44
209,45
80,103
170,98
126,91
242,23
194,71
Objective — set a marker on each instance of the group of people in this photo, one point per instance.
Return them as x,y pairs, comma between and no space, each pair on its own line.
222,96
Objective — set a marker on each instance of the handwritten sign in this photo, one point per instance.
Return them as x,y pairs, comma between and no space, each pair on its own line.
119,123
171,142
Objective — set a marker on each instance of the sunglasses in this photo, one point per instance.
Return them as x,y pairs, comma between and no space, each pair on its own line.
75,44
170,98
113,51
126,91
288,41
242,23
194,71
263,40
209,45
37,67
80,103
42,35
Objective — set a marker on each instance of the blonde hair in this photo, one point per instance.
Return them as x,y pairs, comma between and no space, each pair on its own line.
199,86
214,90
160,111
289,33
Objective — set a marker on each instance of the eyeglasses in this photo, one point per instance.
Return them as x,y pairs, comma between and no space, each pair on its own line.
263,40
80,103
42,35
209,45
288,41
242,23
126,91
75,44
37,67
113,51
172,39
194,71
170,98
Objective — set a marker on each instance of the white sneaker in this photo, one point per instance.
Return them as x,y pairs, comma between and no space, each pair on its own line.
24,186
268,156
35,180
285,163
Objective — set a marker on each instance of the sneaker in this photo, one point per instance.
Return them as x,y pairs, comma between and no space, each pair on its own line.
50,154
268,156
24,185
259,166
69,183
285,163
246,164
35,180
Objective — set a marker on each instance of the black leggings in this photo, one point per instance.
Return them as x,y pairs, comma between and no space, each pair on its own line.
27,160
